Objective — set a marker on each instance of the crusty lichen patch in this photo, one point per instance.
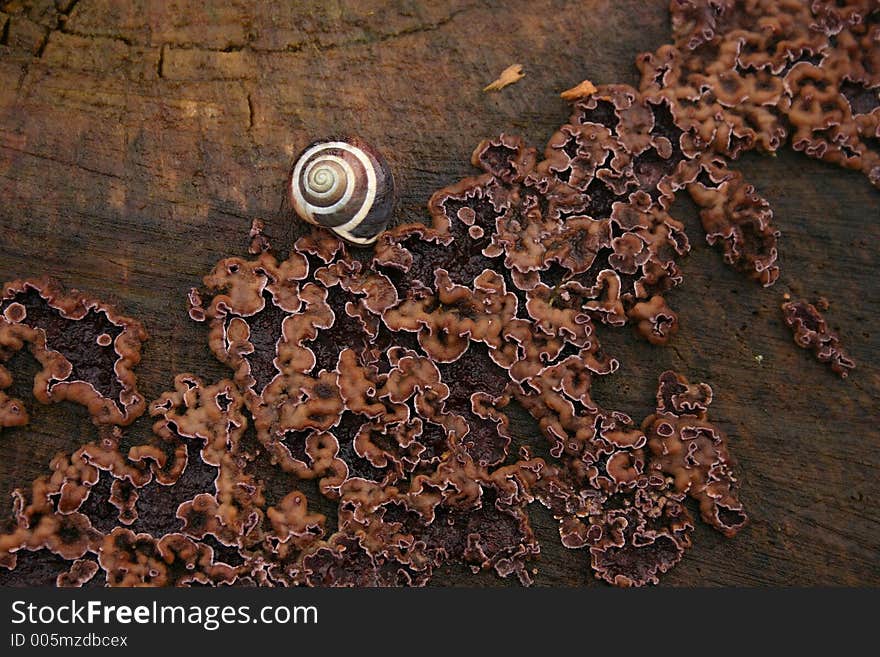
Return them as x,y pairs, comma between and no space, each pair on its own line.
86,350
810,330
759,74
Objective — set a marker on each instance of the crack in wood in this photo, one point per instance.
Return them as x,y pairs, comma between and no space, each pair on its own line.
66,163
69,10
417,29
300,47
370,38
42,47
160,66
86,35
60,21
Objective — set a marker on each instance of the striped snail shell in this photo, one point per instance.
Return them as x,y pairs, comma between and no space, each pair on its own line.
344,185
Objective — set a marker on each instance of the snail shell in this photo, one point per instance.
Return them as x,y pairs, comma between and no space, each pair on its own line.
344,185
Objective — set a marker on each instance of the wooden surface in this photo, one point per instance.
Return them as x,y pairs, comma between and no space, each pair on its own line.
139,139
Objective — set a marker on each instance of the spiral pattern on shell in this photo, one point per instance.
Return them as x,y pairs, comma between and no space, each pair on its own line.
344,185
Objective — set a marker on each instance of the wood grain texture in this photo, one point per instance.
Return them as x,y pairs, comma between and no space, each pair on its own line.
139,139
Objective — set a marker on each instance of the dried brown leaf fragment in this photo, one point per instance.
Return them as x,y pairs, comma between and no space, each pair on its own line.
510,75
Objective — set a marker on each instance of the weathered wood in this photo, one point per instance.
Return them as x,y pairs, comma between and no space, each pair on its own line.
138,140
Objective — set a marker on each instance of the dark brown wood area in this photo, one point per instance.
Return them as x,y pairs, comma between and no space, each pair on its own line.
139,139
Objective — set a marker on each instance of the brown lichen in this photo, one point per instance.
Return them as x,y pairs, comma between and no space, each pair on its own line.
745,75
693,452
81,571
811,331
86,350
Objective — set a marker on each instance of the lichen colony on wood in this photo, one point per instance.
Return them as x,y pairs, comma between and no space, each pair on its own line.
363,436
387,383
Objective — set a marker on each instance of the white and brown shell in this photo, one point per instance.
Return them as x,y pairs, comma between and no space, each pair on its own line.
344,185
